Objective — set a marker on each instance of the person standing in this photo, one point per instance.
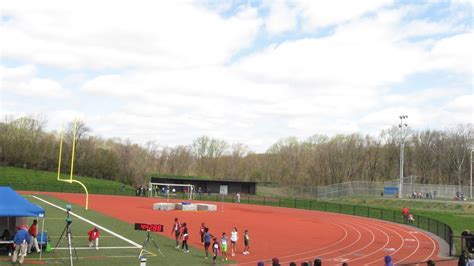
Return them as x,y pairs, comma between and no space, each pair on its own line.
33,232
207,241
201,232
246,242
237,196
94,235
224,246
184,237
405,212
234,237
215,250
20,243
7,237
177,231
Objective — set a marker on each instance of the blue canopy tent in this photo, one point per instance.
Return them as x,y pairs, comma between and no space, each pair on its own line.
14,205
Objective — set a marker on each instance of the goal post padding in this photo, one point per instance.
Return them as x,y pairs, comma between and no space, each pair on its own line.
156,188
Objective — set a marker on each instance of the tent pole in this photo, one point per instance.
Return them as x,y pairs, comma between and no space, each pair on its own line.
42,235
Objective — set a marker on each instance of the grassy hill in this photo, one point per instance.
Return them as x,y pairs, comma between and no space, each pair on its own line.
26,179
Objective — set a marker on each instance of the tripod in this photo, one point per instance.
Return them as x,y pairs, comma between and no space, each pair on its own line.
67,233
147,240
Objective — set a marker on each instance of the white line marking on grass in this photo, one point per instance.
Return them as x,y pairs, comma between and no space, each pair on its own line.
76,236
92,223
65,248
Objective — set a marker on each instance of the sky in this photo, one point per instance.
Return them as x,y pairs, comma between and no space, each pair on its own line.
249,72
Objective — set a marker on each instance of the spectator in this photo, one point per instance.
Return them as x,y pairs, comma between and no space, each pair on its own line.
463,259
260,263
317,262
275,262
388,261
237,197
411,220
20,242
304,263
292,263
6,236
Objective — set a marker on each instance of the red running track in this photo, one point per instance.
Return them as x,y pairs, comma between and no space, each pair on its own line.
285,233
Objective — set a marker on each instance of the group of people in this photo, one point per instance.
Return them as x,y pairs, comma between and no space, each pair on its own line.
218,245
24,240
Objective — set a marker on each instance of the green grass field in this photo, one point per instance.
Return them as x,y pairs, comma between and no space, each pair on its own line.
112,250
35,180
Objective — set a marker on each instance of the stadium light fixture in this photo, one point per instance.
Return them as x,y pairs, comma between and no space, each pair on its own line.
402,148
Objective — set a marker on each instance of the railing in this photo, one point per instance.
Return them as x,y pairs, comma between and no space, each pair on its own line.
434,226
431,225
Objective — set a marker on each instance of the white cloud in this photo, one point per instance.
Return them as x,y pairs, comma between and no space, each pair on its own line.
23,81
93,34
166,76
282,17
317,14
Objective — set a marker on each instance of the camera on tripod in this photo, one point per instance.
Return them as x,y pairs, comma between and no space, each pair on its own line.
68,217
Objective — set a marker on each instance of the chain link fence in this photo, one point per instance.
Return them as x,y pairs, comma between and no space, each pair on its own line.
366,188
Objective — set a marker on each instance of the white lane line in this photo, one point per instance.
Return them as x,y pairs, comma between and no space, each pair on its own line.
93,248
92,223
305,252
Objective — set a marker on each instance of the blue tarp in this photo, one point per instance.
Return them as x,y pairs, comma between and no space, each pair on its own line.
390,190
14,205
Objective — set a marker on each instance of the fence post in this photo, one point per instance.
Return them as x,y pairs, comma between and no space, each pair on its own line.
437,227
368,211
418,222
295,202
263,200
353,210
310,204
381,214
340,208
248,199
429,219
393,216
325,206
279,202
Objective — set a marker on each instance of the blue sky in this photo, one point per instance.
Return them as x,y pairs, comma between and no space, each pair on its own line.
244,71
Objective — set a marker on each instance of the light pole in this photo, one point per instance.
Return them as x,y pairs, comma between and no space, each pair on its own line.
402,147
470,188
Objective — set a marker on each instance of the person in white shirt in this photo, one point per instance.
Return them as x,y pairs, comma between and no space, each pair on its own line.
234,237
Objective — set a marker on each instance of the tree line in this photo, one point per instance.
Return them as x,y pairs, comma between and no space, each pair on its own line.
434,156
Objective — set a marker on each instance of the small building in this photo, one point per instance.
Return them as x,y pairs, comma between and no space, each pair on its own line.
209,185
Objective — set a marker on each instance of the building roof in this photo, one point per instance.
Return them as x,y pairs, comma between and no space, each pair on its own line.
202,179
